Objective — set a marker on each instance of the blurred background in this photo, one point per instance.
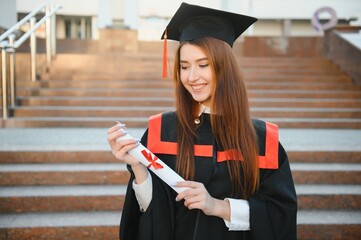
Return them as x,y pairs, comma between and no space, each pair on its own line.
82,19
70,69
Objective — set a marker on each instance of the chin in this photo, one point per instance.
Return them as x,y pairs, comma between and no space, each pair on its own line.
200,100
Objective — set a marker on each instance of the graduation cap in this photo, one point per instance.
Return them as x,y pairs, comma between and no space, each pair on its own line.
191,22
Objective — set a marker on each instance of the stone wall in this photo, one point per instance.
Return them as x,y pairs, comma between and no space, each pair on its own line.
343,53
283,47
118,40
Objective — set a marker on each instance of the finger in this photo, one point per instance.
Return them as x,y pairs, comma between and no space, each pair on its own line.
123,155
120,124
128,146
196,205
116,127
125,144
119,133
186,194
190,184
191,200
117,147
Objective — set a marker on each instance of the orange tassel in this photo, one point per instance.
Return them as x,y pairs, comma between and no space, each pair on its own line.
165,58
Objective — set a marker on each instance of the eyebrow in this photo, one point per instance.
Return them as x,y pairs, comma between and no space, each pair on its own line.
198,60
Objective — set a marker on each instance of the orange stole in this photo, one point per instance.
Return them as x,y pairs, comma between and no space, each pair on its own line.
156,145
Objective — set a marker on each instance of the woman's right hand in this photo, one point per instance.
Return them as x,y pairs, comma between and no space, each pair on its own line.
120,148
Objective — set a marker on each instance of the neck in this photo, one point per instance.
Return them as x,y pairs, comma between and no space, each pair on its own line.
203,109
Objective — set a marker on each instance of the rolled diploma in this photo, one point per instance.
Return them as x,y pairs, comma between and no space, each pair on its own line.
165,173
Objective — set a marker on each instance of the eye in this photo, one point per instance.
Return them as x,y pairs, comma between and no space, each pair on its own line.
184,67
203,65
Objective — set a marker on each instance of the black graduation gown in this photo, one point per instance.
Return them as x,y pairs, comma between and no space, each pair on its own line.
273,208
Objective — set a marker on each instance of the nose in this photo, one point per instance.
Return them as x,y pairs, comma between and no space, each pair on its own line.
193,74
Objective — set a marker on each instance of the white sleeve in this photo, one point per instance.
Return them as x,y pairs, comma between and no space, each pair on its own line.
143,193
239,215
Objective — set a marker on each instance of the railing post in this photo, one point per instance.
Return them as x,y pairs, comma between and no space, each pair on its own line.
48,38
4,83
53,33
11,51
33,50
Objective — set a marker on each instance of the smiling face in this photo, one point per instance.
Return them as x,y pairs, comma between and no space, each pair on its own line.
196,73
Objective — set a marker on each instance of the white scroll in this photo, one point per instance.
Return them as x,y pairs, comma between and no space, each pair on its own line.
148,159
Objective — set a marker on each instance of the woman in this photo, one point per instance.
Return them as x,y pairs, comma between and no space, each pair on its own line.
237,174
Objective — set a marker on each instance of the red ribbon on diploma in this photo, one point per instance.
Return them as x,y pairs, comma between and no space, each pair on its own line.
151,159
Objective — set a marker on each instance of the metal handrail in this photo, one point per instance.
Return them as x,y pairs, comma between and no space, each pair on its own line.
9,47
26,35
22,21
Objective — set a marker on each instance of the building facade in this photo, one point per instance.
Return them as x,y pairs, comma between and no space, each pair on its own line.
83,18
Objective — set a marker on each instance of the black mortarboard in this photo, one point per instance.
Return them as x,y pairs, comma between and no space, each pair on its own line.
192,22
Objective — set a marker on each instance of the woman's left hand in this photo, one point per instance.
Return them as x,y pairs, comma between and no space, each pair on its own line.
197,197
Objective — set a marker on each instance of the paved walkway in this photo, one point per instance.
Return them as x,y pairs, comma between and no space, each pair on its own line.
80,139
353,38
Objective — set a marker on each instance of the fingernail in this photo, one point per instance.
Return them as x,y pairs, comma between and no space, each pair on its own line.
119,124
123,130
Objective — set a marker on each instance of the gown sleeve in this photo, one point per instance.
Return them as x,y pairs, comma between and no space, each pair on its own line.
273,209
143,193
156,222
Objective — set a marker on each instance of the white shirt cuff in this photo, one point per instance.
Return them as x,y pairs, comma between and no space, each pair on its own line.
143,193
239,215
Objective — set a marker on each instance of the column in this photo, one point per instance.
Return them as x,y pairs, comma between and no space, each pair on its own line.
286,27
8,16
233,6
82,28
104,13
131,14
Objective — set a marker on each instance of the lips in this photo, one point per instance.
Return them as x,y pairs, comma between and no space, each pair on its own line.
198,87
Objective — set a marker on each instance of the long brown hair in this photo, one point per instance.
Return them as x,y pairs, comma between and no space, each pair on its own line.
231,125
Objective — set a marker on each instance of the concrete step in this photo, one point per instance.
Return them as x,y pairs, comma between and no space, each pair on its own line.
146,111
66,122
142,122
101,101
326,196
169,101
302,86
298,79
116,173
105,225
144,55
56,226
105,156
319,225
326,173
160,83
121,59
169,84
318,156
61,198
63,174
292,70
141,68
57,156
155,64
305,102
332,123
155,92
88,111
19,199
138,76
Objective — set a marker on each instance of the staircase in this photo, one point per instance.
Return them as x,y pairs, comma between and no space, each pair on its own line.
62,191
93,91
